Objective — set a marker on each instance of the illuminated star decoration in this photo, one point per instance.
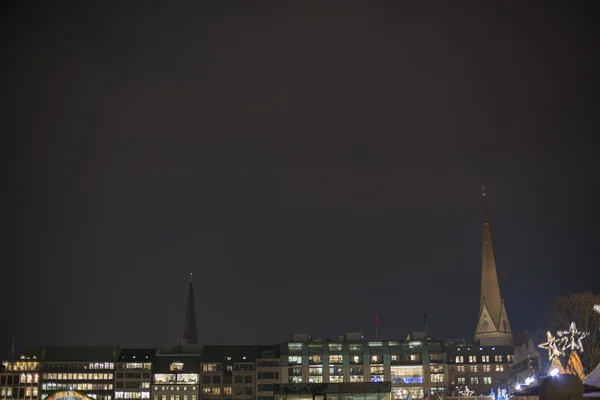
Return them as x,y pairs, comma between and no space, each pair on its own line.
572,338
553,345
466,392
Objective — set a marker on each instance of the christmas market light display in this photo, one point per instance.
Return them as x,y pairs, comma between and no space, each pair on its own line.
466,392
570,339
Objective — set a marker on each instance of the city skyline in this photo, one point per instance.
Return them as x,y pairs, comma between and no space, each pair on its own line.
312,165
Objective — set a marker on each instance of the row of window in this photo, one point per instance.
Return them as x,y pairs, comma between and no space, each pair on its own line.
27,392
23,366
484,368
81,376
81,365
227,390
474,380
217,367
174,397
134,366
227,379
484,359
189,379
132,385
174,388
317,359
22,378
133,375
76,386
132,395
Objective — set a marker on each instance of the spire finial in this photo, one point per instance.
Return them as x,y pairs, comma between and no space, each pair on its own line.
191,275
483,190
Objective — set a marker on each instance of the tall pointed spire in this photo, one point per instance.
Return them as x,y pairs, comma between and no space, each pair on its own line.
190,334
493,321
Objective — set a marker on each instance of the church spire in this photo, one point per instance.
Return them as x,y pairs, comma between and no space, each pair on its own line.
493,321
190,335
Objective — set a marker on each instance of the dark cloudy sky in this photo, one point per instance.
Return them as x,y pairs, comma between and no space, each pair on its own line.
312,163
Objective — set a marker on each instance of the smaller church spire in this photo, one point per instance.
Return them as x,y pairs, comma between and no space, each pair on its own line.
190,334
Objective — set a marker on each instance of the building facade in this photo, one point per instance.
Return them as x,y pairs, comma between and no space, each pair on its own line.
19,380
88,370
133,373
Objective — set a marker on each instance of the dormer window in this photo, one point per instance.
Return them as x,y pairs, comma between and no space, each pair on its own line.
176,366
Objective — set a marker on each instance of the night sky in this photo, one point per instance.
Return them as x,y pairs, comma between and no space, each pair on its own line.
312,163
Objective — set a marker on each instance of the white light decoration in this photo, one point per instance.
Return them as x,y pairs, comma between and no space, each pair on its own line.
466,392
553,345
554,372
597,308
502,394
518,386
572,338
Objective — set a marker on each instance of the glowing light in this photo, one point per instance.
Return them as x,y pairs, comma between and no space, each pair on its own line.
572,338
597,308
466,392
553,345
502,394
554,372
529,380
518,386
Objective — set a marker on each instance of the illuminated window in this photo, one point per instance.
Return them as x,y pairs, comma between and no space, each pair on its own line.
315,371
498,358
28,392
335,347
335,359
405,374
145,385
437,378
472,359
295,347
295,379
336,379
206,390
293,360
460,368
216,390
185,396
510,358
473,368
474,380
209,367
193,397
415,357
356,371
336,371
23,378
315,379
377,370
487,368
460,380
394,357
227,390
460,359
485,359
356,378
487,380
499,367
315,359
35,392
375,359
